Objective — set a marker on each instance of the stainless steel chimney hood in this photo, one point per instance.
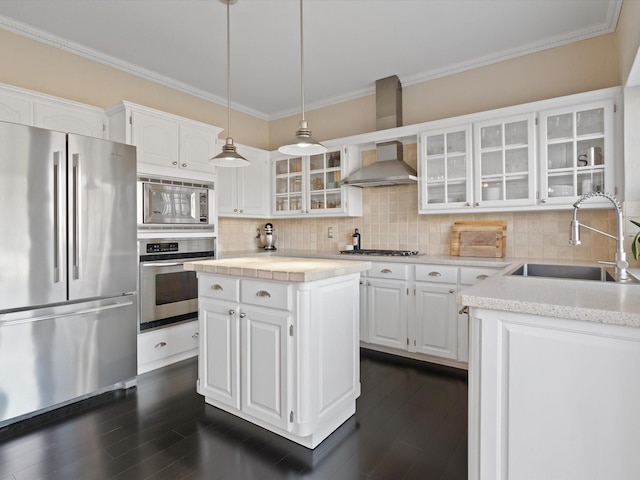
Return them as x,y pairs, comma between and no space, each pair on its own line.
389,167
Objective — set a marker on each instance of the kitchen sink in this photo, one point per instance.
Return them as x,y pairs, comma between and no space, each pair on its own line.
574,272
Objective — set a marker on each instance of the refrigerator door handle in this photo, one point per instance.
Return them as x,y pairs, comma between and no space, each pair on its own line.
76,216
101,308
57,231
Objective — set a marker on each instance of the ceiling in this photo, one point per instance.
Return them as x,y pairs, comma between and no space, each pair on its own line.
348,44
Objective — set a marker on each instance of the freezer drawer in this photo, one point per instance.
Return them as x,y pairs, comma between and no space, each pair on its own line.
52,356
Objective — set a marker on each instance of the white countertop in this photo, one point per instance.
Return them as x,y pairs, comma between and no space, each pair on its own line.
593,301
288,269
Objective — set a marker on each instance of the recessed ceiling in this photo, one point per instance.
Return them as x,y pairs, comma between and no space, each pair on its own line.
348,43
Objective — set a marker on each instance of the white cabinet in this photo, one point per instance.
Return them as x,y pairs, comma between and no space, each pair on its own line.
281,355
468,276
411,310
552,398
435,314
504,161
167,145
164,346
445,168
528,157
387,300
44,111
244,192
576,152
310,185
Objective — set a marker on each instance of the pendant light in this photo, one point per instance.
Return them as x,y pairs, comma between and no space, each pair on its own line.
229,157
302,144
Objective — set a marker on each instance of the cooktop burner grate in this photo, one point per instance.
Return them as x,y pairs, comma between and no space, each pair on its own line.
384,253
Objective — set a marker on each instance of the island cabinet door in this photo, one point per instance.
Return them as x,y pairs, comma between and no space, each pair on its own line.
387,310
219,360
264,364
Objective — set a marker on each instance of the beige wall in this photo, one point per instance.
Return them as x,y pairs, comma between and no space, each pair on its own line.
35,66
628,37
574,68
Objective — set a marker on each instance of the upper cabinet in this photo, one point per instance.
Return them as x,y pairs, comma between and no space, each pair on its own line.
168,145
529,157
446,170
311,185
39,110
504,162
576,151
244,191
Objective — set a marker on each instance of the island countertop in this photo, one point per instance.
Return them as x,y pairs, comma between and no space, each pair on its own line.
287,269
600,302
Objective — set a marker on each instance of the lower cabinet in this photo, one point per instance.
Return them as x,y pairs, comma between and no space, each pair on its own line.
164,346
552,398
281,355
411,310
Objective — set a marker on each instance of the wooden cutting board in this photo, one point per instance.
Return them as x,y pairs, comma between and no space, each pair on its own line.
491,240
480,244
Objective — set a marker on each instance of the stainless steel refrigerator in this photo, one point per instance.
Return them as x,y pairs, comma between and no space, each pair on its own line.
68,266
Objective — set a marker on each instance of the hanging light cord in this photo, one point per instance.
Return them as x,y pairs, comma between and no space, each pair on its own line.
228,74
301,63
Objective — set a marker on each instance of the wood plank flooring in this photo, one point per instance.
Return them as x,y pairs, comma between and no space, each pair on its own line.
411,423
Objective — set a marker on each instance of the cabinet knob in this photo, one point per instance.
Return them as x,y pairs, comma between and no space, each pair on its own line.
544,200
452,290
195,335
482,277
242,315
184,165
464,311
235,210
477,204
174,163
385,270
435,274
263,293
241,211
217,286
232,312
160,345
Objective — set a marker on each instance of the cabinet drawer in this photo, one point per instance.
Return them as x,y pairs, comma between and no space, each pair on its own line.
473,275
397,271
221,287
165,342
437,273
265,294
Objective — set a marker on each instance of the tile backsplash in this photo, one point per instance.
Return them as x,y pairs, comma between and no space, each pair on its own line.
390,220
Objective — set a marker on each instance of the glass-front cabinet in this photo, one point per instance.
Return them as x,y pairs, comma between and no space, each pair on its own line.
575,151
311,185
288,188
445,168
505,162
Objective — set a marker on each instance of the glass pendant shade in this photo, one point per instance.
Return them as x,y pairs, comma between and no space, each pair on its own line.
302,143
229,157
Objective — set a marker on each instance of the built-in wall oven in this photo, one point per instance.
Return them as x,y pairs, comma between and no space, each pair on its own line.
168,293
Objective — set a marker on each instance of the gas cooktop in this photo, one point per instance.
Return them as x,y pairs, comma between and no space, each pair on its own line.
383,253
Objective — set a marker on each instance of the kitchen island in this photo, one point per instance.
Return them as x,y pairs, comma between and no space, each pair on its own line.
279,342
553,379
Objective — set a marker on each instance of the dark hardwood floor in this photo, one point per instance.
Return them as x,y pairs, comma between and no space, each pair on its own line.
411,423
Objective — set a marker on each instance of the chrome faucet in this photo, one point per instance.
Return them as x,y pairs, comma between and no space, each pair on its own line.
620,261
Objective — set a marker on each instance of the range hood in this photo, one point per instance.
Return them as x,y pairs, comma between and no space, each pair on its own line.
389,167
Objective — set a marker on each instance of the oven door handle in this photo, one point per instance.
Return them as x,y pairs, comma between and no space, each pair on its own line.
162,264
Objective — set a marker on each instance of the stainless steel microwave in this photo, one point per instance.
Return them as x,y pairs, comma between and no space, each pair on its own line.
166,202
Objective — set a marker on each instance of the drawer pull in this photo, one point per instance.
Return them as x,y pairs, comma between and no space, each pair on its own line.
217,286
195,335
160,345
263,293
435,274
232,312
482,277
385,270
